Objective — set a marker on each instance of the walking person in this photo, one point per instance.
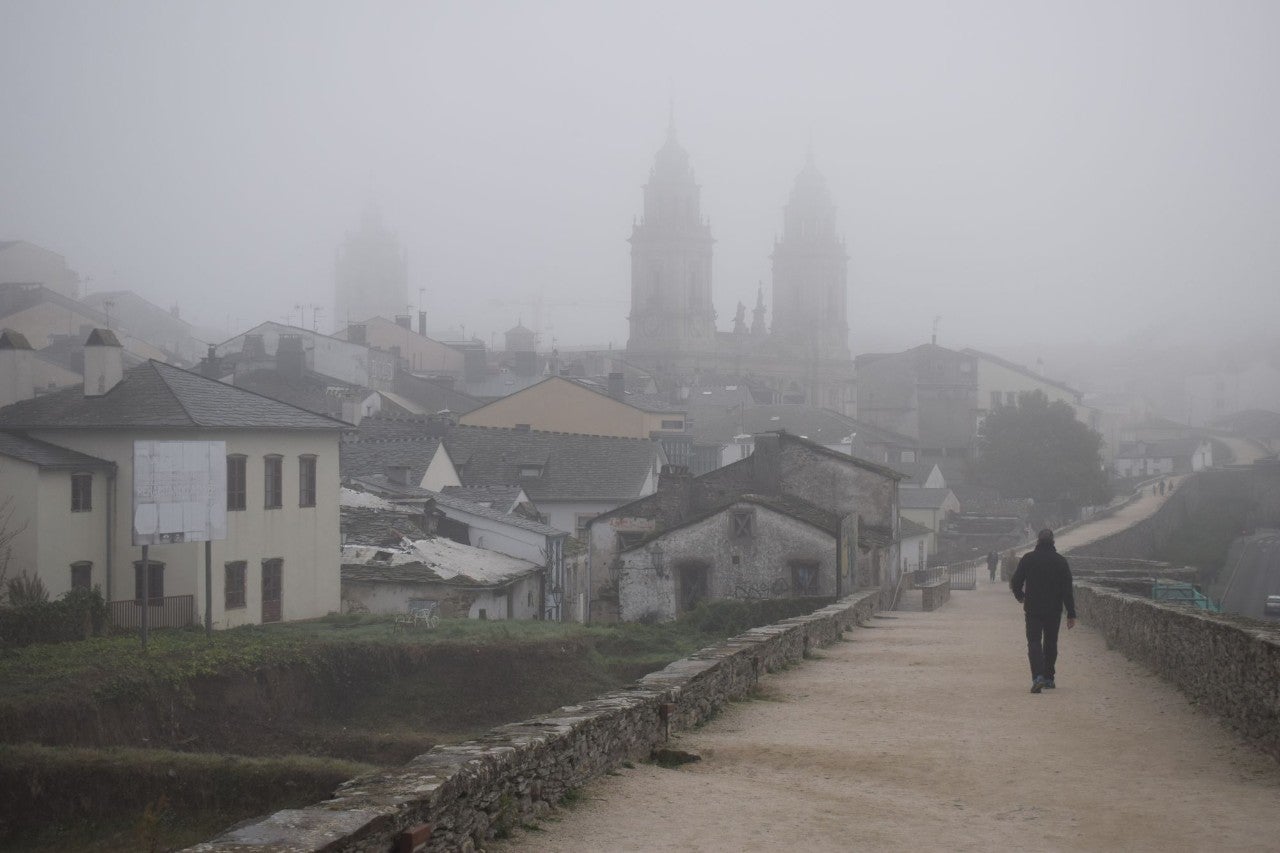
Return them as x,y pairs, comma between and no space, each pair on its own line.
1042,583
993,562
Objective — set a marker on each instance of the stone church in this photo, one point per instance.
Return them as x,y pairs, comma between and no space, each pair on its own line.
803,357
371,276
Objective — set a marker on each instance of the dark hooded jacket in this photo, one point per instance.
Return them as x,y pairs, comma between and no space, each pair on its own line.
1042,583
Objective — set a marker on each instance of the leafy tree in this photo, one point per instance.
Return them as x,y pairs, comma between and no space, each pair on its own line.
1039,450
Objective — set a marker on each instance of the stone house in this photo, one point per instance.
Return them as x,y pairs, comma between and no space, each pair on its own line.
1160,458
862,495
754,547
279,558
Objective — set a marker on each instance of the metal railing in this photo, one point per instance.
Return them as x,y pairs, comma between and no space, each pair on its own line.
173,611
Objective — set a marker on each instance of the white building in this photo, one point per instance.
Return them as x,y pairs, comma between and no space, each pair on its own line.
71,458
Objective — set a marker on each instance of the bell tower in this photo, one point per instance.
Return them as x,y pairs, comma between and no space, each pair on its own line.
810,273
671,310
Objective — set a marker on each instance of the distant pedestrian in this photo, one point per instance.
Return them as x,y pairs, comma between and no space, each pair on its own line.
993,563
1162,488
1042,583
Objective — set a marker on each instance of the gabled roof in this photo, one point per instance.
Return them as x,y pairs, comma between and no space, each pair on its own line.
365,457
1018,368
575,466
309,391
787,505
923,498
908,528
867,465
155,394
501,497
45,455
447,502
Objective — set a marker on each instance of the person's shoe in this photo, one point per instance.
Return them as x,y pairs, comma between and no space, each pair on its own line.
1048,684
1037,685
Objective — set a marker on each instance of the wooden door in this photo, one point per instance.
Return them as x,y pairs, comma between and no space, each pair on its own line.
272,590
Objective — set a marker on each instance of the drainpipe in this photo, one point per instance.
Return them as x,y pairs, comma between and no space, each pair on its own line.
111,522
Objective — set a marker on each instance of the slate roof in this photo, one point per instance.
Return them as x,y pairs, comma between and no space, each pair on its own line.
433,560
380,527
908,528
821,425
433,396
922,498
787,505
499,497
309,391
575,466
865,464
45,455
155,394
448,502
364,458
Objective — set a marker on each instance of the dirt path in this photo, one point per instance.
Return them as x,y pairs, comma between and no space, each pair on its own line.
920,734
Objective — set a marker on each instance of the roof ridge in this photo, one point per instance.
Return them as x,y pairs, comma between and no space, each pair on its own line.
237,388
551,432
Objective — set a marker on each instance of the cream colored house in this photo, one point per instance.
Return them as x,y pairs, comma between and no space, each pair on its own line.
279,560
557,404
1000,382
928,508
419,353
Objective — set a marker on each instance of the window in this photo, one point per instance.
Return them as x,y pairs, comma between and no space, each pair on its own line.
81,492
804,577
995,400
306,480
272,482
741,524
908,456
82,575
156,579
530,470
1010,398
234,585
581,520
673,424
630,539
235,483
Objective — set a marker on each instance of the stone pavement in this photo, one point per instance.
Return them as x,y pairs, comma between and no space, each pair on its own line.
919,733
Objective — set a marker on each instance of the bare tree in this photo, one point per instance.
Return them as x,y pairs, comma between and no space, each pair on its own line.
9,532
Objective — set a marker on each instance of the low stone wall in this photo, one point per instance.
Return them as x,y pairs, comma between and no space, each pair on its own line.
934,595
1229,665
456,797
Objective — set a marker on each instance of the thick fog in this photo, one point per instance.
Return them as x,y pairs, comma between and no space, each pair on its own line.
1030,173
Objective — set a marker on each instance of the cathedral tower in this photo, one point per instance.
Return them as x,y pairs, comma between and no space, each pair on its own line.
810,270
671,310
370,273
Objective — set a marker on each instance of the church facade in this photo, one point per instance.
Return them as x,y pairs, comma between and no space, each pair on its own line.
804,357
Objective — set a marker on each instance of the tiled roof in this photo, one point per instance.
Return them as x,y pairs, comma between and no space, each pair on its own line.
908,528
363,457
574,466
45,455
501,497
308,391
787,505
384,528
447,502
433,396
922,498
159,395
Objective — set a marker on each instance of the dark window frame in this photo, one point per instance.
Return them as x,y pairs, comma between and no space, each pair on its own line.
237,482
82,491
273,481
742,523
156,580
82,574
235,589
307,467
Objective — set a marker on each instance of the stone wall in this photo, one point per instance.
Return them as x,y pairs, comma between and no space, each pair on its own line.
456,797
1228,665
935,594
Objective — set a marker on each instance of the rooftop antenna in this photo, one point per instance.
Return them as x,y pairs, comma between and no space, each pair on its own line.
936,319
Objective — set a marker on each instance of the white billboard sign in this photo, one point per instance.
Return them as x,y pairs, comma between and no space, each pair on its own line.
179,491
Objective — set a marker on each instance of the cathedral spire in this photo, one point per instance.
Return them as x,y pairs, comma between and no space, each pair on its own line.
671,118
757,315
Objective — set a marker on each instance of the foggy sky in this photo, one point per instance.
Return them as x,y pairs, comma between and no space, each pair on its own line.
1030,172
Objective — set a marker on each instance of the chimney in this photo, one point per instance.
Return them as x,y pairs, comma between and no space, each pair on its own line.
675,493
422,323
211,364
103,362
254,348
16,375
358,333
766,466
402,320
291,356
617,386
352,411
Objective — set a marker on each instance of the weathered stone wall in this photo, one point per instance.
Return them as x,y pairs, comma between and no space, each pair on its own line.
465,794
1228,665
935,594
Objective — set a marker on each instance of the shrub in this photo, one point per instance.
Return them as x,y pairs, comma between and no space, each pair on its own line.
77,615
27,589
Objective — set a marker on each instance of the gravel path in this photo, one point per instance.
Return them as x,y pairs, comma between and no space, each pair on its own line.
919,733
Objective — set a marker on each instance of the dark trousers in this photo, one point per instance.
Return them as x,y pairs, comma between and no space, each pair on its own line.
1042,643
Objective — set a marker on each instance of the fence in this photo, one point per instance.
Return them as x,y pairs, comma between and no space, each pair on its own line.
965,575
174,611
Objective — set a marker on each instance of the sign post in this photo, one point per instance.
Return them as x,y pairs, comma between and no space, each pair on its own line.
179,495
